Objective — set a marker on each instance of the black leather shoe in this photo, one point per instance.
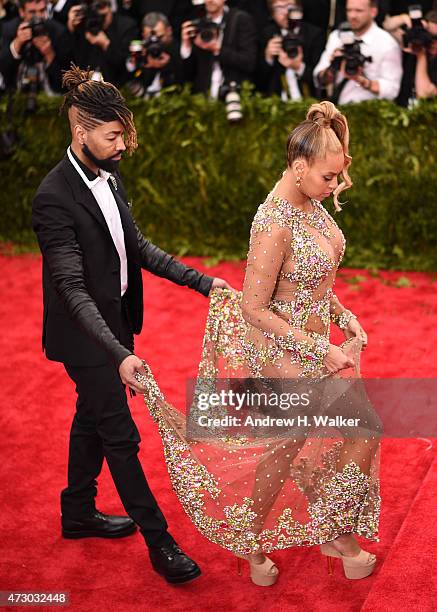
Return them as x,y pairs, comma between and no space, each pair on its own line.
98,525
173,564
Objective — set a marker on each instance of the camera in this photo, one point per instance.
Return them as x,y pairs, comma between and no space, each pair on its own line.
204,27
416,37
153,45
350,52
293,39
230,94
38,27
92,19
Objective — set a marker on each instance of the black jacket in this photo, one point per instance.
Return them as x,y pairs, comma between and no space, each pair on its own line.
112,62
237,57
81,270
61,45
269,76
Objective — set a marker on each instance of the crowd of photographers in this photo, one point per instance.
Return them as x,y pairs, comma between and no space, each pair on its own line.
344,50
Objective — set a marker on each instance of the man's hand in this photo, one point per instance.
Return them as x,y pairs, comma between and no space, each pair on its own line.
23,35
295,63
75,16
157,62
187,32
273,48
100,39
127,371
44,46
219,283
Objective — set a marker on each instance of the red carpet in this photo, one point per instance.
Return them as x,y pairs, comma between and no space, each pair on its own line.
398,310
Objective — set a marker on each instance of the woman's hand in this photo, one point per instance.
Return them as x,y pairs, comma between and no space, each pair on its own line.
354,330
337,360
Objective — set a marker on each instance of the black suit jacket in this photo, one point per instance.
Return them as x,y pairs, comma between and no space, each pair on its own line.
237,57
81,270
269,76
61,45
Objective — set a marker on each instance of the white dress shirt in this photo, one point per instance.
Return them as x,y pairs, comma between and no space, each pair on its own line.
386,65
105,199
217,73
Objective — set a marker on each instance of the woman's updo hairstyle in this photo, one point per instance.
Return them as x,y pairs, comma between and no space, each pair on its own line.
325,130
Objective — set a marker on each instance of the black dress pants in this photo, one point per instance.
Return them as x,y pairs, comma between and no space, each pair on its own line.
103,428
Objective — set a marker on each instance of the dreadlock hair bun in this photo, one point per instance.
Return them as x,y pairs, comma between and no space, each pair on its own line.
97,102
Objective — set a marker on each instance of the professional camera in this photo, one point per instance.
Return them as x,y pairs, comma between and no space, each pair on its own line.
207,29
417,37
92,19
153,45
350,52
230,94
293,39
38,27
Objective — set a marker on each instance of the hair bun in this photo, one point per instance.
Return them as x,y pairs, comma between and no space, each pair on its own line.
75,76
323,113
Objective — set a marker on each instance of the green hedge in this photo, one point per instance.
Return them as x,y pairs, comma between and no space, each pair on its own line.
196,181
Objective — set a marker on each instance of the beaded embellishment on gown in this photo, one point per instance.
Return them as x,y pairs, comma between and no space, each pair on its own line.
243,492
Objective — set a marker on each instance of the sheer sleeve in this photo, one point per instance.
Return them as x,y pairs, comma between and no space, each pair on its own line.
339,314
267,251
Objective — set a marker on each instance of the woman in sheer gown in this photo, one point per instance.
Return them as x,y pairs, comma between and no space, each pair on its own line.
257,492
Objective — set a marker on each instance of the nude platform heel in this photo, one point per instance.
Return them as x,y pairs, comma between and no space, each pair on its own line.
360,566
262,574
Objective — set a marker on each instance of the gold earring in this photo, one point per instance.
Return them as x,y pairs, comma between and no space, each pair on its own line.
299,181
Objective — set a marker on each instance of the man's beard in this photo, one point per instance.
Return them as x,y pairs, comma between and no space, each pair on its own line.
108,164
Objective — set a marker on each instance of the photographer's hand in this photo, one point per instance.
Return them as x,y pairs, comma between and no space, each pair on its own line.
295,63
44,46
187,32
24,34
75,17
157,62
273,49
100,39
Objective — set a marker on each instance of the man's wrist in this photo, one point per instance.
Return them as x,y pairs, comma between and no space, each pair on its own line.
15,49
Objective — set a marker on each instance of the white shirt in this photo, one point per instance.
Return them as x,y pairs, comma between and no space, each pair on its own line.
105,199
217,73
386,65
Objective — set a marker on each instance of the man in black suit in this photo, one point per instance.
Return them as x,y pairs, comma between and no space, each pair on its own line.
103,46
44,49
93,253
228,55
289,72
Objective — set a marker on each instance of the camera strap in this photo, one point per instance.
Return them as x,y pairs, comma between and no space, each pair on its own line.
8,136
337,90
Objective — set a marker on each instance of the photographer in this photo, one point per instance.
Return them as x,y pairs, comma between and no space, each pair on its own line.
218,48
426,67
376,56
291,50
34,50
155,63
101,39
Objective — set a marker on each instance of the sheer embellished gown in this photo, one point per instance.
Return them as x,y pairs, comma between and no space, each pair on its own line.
276,488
